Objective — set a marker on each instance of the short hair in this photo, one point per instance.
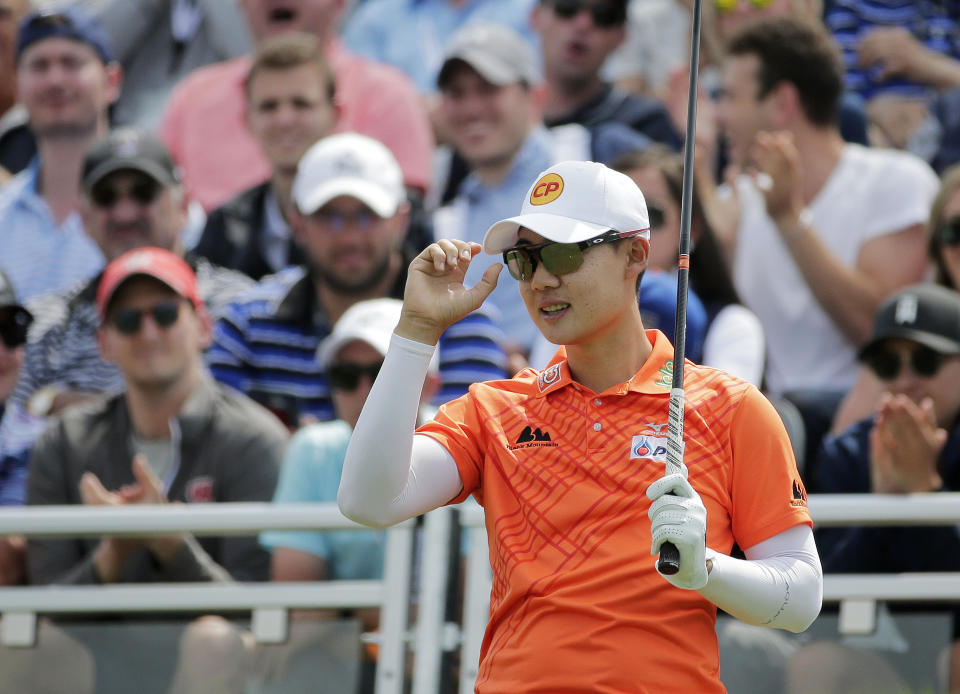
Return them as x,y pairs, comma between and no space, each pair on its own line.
801,53
287,51
949,185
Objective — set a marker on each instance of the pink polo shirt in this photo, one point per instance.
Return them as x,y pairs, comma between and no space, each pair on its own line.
205,130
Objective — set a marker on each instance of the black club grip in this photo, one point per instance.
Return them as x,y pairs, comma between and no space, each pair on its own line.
669,562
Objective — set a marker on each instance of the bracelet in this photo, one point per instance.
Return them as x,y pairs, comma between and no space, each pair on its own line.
804,223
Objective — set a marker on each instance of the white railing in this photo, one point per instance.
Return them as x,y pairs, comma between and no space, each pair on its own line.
857,593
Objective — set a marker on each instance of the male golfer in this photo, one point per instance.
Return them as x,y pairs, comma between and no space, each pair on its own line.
568,462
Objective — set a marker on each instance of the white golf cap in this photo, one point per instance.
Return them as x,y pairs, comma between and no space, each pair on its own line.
574,201
371,321
353,165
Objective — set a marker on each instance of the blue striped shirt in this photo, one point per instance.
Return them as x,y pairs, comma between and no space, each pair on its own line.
265,345
39,255
934,23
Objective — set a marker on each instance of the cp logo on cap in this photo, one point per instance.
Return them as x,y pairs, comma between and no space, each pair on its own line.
547,189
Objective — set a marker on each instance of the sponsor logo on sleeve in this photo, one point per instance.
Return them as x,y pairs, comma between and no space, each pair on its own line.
799,494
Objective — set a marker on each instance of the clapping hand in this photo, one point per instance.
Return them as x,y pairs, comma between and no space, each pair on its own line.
905,443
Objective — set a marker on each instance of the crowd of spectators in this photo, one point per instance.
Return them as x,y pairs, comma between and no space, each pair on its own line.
207,210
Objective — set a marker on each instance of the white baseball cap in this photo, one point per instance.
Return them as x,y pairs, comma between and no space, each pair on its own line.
371,321
574,201
353,165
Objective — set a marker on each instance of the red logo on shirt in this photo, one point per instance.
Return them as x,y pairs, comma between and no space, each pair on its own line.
200,490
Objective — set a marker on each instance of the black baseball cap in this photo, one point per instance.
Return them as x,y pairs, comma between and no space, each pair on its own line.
928,314
67,23
129,148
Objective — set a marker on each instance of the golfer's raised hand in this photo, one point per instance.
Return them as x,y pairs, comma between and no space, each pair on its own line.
435,296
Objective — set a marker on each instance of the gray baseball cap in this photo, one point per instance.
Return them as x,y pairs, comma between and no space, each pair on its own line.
497,52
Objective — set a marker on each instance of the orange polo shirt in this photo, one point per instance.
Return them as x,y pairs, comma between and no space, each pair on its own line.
562,472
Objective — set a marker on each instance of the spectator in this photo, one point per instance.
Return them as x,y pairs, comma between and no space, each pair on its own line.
17,146
943,249
160,42
382,30
898,57
173,435
14,321
131,197
576,37
488,86
67,79
350,217
204,125
733,339
911,444
311,469
823,230
290,105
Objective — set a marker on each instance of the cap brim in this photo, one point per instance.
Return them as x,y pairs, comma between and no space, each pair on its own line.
938,343
552,227
151,169
370,194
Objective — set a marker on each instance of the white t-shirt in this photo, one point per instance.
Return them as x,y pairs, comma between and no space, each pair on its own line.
871,192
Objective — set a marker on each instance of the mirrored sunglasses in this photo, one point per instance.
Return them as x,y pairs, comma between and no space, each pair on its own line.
129,320
604,14
731,5
887,363
142,192
557,258
346,376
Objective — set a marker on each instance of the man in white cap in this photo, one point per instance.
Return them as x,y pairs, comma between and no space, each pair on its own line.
350,218
568,461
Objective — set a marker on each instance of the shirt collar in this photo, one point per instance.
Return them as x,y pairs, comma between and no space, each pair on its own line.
654,377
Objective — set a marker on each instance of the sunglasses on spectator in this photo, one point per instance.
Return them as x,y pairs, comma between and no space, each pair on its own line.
949,232
129,320
731,5
557,258
346,376
13,327
339,221
887,363
655,214
604,15
142,192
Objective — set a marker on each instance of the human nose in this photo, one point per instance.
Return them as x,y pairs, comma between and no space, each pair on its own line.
542,278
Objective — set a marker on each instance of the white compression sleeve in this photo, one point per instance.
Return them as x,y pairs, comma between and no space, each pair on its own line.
779,584
389,474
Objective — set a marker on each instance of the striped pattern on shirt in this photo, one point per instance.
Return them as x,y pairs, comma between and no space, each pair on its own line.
265,346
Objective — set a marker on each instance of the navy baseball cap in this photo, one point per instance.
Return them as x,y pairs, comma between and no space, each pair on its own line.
67,23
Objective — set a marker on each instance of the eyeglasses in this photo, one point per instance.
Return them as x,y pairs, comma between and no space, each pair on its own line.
339,221
13,327
347,376
731,5
558,258
949,232
129,320
142,192
655,214
887,364
604,15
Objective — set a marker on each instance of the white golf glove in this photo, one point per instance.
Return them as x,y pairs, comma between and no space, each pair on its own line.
679,516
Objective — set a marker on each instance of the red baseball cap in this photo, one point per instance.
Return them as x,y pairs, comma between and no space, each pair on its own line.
157,263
